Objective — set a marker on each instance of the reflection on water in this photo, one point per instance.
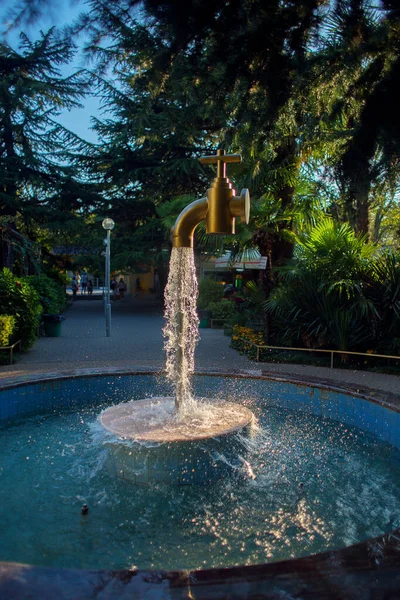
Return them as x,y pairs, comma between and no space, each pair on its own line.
305,484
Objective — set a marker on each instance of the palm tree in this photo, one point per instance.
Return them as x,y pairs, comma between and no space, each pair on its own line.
351,98
323,298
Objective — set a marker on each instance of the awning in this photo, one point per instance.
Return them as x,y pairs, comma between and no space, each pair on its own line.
249,259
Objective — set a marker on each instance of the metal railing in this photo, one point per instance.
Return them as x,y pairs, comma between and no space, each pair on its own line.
326,351
221,321
11,349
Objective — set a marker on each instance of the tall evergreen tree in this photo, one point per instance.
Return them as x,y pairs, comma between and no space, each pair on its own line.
33,145
41,188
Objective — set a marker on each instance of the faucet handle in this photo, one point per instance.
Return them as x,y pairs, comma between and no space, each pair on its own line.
220,159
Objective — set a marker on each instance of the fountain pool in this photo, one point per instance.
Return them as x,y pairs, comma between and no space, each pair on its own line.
320,472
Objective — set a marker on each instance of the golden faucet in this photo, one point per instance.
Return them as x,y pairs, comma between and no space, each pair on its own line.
219,208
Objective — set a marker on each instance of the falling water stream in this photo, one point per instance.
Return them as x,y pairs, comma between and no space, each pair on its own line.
181,329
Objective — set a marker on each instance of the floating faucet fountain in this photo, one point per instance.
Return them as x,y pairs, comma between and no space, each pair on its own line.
219,209
182,421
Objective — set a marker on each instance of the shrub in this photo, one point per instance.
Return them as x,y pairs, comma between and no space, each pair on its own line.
323,298
19,299
209,291
225,310
51,294
7,326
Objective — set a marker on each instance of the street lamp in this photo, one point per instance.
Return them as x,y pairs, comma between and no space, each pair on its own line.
108,225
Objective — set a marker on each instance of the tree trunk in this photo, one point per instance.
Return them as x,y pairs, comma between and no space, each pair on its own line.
357,205
362,207
10,188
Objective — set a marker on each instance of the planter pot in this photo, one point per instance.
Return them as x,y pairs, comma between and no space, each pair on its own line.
52,325
205,317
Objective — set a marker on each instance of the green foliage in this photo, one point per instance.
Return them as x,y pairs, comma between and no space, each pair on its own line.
334,250
254,295
7,326
19,299
384,293
209,291
51,294
225,310
307,92
339,293
42,192
33,93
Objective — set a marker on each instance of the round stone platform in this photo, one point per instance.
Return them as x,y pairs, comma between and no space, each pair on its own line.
154,420
153,446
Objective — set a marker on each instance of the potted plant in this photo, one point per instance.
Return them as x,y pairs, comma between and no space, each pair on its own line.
52,324
52,299
209,291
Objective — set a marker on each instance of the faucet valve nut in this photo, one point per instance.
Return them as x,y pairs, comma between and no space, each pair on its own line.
240,206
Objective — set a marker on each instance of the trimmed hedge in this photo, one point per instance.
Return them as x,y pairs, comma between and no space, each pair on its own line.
7,326
19,299
225,310
209,291
51,294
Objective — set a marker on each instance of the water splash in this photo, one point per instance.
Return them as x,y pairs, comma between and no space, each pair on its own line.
181,331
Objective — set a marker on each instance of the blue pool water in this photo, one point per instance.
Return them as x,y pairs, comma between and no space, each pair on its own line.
308,483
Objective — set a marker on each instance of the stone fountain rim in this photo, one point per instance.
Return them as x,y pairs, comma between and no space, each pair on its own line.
372,394
352,565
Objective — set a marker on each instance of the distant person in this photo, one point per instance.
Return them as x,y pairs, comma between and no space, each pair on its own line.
157,288
84,283
137,285
114,287
229,291
75,287
90,287
121,289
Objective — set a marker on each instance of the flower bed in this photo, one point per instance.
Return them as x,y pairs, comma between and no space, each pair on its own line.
244,338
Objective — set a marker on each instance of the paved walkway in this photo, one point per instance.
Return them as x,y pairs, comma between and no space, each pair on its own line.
136,342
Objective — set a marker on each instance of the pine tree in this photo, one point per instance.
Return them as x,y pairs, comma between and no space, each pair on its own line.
33,146
40,184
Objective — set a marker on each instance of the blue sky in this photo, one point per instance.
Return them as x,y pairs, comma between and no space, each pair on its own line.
59,14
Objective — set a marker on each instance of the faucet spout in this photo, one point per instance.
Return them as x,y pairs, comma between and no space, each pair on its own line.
219,209
186,223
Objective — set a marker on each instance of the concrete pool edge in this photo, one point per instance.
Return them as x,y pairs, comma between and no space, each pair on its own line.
353,571
372,394
366,570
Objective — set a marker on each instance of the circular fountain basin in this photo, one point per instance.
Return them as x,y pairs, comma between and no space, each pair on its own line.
159,447
326,466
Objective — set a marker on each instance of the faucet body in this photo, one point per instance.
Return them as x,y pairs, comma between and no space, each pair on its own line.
219,209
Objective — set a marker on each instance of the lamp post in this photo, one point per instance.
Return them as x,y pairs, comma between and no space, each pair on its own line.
108,225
